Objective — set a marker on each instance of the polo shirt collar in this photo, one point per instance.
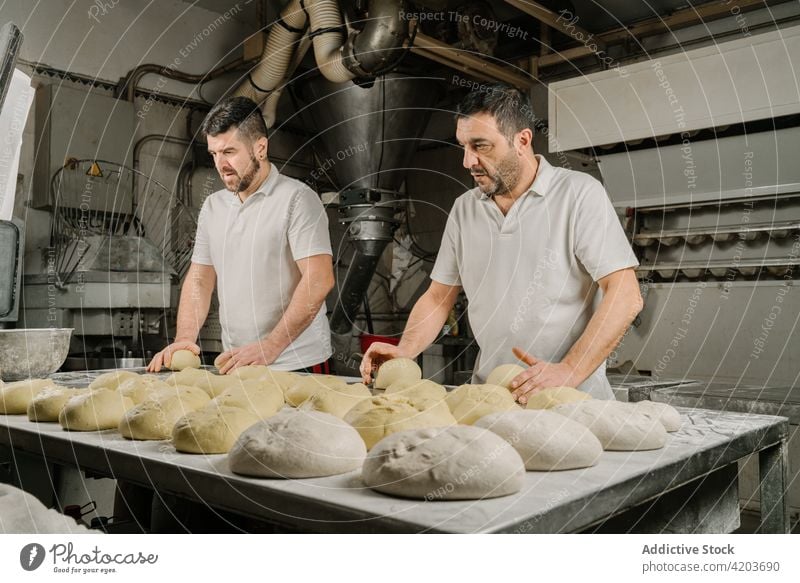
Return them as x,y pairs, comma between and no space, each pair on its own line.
266,188
541,183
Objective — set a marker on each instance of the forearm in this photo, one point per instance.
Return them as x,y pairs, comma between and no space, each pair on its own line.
193,307
424,324
303,307
605,330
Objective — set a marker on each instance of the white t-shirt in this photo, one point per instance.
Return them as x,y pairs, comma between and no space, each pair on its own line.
253,247
530,276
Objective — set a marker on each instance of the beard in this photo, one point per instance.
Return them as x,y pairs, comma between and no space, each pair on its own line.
504,179
246,179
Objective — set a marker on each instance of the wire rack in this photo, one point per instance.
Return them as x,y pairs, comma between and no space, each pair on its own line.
100,205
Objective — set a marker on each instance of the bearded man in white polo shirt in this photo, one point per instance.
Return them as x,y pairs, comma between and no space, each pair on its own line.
530,245
264,242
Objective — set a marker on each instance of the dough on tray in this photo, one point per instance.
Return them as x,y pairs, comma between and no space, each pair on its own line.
468,403
47,405
15,397
257,396
211,429
554,396
96,410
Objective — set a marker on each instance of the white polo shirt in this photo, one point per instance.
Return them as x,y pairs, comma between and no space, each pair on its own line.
529,276
253,247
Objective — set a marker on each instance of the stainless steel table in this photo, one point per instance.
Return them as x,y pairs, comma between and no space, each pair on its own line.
567,501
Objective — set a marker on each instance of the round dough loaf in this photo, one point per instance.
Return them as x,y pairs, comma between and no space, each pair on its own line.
338,400
468,403
15,397
546,441
422,389
155,419
249,372
142,388
667,415
451,463
395,415
211,429
555,396
192,397
395,370
202,379
618,426
47,404
257,396
96,410
297,444
420,403
182,359
112,380
503,375
306,386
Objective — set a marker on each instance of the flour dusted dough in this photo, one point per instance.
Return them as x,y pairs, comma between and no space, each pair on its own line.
98,409
46,406
468,403
439,407
397,369
421,389
142,388
338,400
667,415
211,429
395,415
451,463
554,396
182,359
155,419
546,441
503,375
202,379
15,397
297,444
257,396
618,426
306,386
112,380
23,513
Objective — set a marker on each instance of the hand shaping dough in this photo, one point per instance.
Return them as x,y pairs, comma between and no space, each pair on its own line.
112,380
451,463
546,441
155,419
338,400
182,359
306,386
395,415
259,397
142,388
667,415
297,444
422,389
46,406
15,397
98,409
211,429
397,369
618,426
503,375
554,396
468,403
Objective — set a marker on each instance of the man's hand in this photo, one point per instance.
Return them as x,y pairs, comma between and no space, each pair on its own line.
253,353
376,355
164,358
540,375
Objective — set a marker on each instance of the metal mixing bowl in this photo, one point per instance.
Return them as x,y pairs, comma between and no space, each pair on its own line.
31,353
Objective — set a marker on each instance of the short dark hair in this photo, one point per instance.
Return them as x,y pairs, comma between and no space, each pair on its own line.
235,112
510,107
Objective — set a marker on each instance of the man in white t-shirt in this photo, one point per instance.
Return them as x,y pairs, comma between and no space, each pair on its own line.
530,246
264,242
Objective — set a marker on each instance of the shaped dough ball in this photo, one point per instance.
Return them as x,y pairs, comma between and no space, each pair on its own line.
96,410
211,429
112,380
468,403
249,372
618,426
155,419
47,404
182,359
212,384
396,415
422,389
338,400
419,403
451,463
297,444
667,415
284,379
142,388
395,370
15,397
546,441
259,397
555,396
306,386
503,375
191,397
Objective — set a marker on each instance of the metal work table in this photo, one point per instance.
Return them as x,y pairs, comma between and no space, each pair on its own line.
709,442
